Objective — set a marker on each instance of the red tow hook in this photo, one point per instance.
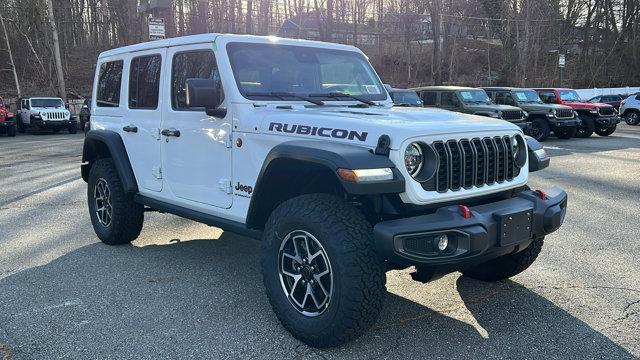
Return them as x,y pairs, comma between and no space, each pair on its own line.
464,211
542,194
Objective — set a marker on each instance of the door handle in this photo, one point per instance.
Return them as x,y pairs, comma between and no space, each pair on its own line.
170,132
130,128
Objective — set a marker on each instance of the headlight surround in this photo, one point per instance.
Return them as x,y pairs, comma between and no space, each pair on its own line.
519,148
413,159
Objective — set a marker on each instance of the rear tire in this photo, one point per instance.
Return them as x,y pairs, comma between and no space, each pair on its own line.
356,285
632,117
506,266
606,131
120,220
540,129
565,133
587,127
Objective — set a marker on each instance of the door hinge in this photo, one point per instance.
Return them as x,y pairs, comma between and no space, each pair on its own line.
225,185
157,172
228,141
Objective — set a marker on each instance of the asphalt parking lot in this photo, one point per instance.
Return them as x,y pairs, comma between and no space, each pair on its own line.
185,290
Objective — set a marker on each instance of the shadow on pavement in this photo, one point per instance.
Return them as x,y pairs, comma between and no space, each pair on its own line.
205,299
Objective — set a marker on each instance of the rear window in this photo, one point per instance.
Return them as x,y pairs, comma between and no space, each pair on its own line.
109,80
144,82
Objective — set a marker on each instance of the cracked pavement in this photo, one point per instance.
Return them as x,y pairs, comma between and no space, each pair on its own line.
185,290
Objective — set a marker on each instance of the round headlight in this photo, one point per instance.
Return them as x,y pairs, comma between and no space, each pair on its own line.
413,159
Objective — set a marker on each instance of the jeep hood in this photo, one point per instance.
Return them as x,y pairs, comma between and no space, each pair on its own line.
363,126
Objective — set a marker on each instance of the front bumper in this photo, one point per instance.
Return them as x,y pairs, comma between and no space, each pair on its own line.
565,123
607,121
493,230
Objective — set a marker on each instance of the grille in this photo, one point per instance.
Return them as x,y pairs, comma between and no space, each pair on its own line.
477,162
55,115
512,115
564,113
606,111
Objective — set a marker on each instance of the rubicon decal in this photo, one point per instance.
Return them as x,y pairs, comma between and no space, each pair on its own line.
318,131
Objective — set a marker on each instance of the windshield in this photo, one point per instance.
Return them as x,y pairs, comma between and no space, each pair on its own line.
474,97
262,70
527,96
406,97
569,95
47,103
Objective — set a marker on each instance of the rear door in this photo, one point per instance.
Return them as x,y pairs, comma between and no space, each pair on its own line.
197,162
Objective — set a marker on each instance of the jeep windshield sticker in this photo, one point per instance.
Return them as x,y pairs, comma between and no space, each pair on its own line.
318,131
466,95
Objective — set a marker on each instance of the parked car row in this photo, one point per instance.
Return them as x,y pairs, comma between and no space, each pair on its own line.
538,112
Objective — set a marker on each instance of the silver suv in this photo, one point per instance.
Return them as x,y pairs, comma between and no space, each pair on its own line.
630,109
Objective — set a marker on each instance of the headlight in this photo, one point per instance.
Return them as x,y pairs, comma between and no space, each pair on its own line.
413,159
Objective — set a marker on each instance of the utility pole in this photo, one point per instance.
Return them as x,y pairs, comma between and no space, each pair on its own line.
56,52
13,65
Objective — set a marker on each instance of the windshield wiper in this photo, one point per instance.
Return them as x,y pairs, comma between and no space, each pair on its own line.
284,95
336,95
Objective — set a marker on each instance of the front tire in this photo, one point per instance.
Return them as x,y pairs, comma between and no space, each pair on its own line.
586,128
540,129
565,133
506,266
606,131
115,217
320,308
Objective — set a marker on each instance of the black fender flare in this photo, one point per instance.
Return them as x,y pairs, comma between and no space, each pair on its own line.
95,142
331,156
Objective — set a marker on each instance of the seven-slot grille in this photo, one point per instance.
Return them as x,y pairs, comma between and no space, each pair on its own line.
564,113
54,115
477,162
511,115
606,111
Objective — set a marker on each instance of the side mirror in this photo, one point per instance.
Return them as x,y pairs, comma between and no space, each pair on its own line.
538,157
207,94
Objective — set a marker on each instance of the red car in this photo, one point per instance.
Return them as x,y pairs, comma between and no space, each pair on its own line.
596,117
7,120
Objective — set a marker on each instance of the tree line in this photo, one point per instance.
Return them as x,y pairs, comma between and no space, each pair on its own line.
50,46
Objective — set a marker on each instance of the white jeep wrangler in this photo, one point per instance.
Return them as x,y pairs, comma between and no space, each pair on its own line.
45,113
296,143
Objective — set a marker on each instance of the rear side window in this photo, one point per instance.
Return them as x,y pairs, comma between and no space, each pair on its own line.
199,64
144,82
429,97
109,80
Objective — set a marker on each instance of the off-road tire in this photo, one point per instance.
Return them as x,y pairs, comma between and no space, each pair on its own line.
605,131
508,265
540,129
11,131
73,128
127,215
586,128
359,278
632,117
565,133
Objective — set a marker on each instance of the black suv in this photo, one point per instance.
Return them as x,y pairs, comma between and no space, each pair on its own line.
544,117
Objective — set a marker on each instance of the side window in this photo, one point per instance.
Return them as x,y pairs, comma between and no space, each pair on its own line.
429,97
448,98
199,64
144,82
109,80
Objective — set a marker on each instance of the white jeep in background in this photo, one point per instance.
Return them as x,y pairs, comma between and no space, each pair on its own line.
296,143
40,113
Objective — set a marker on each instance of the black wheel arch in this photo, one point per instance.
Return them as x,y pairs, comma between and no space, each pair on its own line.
100,144
295,168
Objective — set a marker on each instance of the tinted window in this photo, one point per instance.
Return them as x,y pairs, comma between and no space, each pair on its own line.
190,65
448,99
144,82
429,97
109,80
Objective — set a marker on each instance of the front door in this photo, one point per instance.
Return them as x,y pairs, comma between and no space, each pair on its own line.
196,148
